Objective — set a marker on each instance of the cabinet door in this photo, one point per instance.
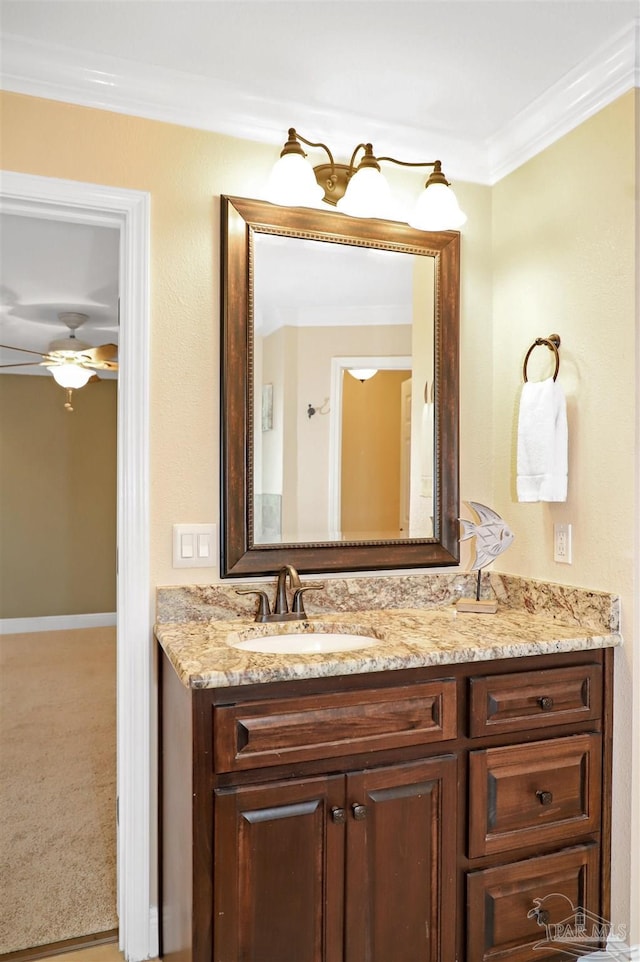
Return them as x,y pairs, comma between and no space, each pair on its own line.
401,863
279,872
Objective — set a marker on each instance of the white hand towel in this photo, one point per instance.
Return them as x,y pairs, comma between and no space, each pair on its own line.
542,462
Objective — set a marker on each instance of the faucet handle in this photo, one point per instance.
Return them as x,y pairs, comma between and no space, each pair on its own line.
298,606
263,612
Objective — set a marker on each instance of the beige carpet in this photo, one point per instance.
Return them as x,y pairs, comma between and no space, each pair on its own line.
57,786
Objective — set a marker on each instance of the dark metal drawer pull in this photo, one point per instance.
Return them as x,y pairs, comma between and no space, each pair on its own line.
338,815
545,703
545,798
359,812
542,917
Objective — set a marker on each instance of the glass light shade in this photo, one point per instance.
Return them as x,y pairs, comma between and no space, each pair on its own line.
292,183
71,375
362,373
437,209
367,195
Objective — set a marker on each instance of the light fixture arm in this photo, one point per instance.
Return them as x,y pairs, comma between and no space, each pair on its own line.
368,159
292,146
334,178
436,176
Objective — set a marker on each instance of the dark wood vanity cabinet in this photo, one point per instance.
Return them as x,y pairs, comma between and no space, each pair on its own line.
430,815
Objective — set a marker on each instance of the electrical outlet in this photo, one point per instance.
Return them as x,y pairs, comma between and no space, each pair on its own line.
562,543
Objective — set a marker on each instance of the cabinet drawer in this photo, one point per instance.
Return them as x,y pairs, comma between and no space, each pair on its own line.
534,699
516,912
324,726
539,793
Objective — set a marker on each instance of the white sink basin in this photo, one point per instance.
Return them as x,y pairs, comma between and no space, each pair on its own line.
305,643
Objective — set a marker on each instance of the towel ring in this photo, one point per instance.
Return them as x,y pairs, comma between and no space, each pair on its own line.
553,343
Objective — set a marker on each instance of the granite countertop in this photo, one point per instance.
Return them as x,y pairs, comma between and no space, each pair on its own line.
202,654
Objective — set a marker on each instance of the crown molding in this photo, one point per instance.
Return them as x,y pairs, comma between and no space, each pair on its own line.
110,83
608,73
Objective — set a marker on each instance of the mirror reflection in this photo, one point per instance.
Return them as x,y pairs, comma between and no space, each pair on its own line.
343,375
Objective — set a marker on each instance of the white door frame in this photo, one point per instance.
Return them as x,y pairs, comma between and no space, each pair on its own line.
128,211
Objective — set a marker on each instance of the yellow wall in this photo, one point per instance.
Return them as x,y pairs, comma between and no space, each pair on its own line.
58,487
564,261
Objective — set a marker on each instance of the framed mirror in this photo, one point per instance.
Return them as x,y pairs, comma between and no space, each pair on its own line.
339,392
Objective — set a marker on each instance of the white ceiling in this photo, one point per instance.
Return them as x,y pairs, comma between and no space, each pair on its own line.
482,84
368,286
479,83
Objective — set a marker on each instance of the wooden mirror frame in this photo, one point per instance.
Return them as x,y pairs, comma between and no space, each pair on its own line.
239,557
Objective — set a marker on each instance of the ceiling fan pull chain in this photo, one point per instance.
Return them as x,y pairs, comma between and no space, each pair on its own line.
67,403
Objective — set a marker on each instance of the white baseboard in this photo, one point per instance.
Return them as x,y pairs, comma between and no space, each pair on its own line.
17,626
154,930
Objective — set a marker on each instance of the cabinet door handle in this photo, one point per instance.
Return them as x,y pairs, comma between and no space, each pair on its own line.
545,797
338,815
545,702
359,812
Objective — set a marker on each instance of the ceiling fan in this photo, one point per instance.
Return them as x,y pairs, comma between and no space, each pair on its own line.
71,362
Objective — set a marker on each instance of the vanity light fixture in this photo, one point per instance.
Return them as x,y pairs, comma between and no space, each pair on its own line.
361,189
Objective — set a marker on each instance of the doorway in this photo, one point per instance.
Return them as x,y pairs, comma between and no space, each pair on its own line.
339,365
371,495
128,211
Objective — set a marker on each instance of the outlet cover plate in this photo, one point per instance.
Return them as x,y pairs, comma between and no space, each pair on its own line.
562,543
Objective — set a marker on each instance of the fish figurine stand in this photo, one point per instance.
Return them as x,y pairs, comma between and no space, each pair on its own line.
491,537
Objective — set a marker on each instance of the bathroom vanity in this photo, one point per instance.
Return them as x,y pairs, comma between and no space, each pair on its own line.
444,795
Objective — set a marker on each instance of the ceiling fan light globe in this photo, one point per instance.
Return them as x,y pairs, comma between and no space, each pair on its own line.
71,375
293,183
437,208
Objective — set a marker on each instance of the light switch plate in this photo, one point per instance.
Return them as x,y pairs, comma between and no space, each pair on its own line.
194,546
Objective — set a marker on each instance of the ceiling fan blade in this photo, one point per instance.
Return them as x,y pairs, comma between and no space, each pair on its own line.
24,350
104,352
93,379
23,364
102,365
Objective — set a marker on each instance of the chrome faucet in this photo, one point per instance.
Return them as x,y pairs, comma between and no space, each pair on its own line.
281,610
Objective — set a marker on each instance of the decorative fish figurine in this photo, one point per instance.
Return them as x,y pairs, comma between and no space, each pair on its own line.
492,534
